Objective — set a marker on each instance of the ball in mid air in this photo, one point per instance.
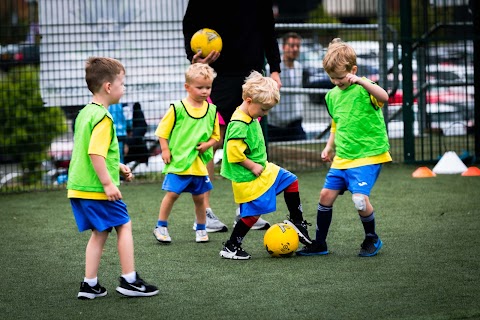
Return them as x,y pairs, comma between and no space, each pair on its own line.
206,40
281,240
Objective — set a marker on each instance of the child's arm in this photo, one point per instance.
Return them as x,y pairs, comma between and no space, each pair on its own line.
126,172
375,90
235,150
163,131
214,138
203,146
166,155
254,167
328,151
111,190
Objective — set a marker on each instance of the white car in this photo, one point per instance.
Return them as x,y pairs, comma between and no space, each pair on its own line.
445,119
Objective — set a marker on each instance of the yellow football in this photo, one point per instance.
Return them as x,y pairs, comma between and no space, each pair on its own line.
281,240
206,40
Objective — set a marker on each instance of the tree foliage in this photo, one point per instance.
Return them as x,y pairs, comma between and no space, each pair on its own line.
28,128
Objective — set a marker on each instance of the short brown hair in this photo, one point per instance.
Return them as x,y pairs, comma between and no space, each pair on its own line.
99,70
289,35
340,57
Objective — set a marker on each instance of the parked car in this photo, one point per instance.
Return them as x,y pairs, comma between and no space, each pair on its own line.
439,118
13,55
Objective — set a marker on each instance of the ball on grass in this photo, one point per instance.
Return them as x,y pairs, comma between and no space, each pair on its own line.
281,240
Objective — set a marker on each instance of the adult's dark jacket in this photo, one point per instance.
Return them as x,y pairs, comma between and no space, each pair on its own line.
247,28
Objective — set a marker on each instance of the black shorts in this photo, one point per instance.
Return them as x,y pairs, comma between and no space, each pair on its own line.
227,94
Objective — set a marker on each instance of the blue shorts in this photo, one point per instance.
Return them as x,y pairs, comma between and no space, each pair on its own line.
194,184
267,202
99,215
356,180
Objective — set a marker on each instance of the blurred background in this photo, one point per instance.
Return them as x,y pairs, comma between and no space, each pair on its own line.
421,52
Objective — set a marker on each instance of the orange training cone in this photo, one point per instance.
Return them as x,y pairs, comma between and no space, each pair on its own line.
423,172
471,172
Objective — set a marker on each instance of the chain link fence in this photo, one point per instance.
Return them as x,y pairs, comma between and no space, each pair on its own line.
44,45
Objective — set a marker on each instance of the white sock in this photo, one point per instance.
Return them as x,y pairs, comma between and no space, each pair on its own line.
91,282
130,277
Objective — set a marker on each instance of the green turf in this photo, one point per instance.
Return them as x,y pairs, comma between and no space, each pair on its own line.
429,267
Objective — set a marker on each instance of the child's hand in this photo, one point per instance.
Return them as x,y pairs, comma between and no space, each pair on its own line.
166,156
202,147
327,154
126,172
112,192
257,169
351,78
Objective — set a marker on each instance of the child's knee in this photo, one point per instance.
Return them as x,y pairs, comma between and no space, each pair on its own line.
360,201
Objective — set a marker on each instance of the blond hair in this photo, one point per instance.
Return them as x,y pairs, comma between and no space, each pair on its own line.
260,89
340,57
99,70
199,70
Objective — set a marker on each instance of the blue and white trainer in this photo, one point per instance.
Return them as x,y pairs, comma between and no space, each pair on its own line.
370,246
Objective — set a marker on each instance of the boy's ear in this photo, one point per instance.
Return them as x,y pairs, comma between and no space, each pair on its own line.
354,69
107,87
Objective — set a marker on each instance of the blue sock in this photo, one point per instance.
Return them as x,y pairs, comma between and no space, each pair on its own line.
201,226
162,223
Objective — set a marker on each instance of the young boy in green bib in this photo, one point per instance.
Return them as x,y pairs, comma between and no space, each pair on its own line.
255,181
187,134
358,145
93,180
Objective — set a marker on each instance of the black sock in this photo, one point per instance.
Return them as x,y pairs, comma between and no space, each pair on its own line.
239,232
369,225
294,206
324,219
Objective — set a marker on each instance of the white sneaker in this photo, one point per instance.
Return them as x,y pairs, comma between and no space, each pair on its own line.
213,223
201,236
161,234
261,224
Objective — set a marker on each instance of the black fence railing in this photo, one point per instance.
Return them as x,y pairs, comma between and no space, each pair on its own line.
431,108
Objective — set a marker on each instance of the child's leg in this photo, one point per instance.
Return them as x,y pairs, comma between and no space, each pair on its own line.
167,205
324,213
366,213
241,229
292,199
93,253
294,205
131,284
360,195
200,208
125,247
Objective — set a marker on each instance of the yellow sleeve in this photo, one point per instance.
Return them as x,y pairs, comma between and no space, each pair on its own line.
166,124
216,130
236,151
375,102
101,138
333,128
372,98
